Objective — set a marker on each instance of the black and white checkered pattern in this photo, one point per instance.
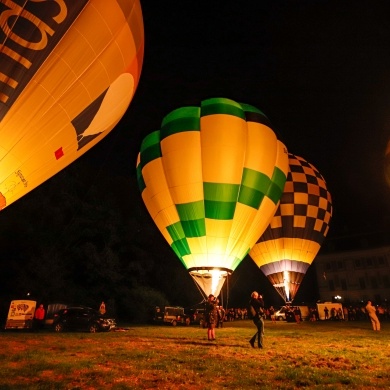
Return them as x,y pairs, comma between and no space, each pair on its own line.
305,207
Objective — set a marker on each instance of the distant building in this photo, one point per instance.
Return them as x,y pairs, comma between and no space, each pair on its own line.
355,276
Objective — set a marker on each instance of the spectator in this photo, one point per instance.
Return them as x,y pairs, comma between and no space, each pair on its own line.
39,317
272,313
256,307
297,314
326,312
371,311
211,317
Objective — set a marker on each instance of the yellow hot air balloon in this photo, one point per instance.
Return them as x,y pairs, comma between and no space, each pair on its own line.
296,232
211,179
68,72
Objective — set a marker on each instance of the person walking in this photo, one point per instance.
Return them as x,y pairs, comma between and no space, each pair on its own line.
256,310
211,317
371,311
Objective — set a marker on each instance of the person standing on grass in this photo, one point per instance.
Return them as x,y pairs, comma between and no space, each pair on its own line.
211,317
272,313
371,311
297,314
256,307
39,317
326,312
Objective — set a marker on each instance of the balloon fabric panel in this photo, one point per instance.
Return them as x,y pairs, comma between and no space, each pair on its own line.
207,173
66,83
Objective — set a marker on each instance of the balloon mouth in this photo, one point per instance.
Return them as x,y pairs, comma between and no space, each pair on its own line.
205,269
210,279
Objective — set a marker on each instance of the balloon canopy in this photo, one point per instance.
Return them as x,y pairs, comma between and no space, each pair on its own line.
211,179
289,245
68,72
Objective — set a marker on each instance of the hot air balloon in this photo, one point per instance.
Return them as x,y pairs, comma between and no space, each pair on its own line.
68,72
211,179
296,232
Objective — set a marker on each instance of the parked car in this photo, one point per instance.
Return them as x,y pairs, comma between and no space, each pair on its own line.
285,313
52,310
82,318
280,315
196,317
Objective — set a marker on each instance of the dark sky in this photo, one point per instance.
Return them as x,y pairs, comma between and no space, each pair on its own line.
320,71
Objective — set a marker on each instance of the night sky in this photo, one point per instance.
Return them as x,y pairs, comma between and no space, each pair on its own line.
320,71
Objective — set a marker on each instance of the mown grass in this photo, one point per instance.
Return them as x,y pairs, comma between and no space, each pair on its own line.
319,355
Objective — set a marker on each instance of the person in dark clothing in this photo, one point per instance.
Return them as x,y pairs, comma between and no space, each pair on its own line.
211,317
256,305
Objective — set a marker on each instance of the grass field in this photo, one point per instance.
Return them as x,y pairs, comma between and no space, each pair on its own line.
313,355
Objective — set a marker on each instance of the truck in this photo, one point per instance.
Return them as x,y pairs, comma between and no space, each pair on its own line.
170,315
21,314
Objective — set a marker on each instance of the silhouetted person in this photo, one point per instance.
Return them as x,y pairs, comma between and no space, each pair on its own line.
256,306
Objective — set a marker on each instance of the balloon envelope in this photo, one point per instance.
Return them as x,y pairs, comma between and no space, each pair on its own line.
296,232
68,72
211,179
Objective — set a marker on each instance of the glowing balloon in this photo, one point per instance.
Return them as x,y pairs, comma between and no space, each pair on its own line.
68,72
291,242
211,179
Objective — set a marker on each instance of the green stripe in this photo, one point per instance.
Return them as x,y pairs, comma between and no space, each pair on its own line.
181,248
179,244
220,200
221,192
221,106
190,211
195,228
249,108
192,218
140,179
219,210
150,140
278,181
180,120
176,231
254,186
150,148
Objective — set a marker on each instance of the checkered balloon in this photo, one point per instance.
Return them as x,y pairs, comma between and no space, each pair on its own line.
292,240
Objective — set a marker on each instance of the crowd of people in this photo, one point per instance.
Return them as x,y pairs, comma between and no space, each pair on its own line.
348,313
216,315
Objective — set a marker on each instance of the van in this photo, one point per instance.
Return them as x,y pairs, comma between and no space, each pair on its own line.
169,315
285,314
21,314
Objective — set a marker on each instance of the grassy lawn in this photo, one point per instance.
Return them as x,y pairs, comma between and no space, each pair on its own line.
315,355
